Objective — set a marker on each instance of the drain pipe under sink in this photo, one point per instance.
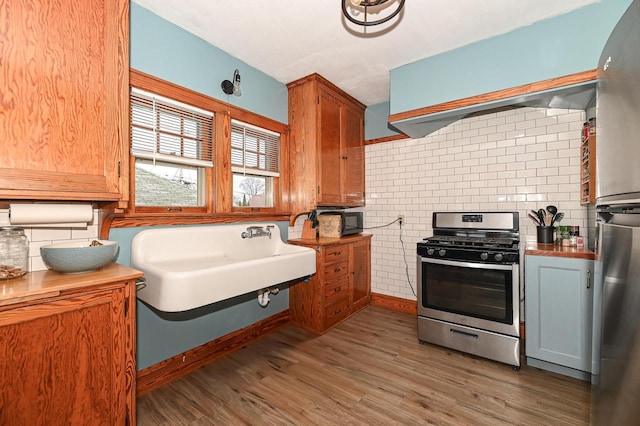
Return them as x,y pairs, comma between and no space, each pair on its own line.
263,295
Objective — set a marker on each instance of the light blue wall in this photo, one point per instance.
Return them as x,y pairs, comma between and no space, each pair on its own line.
555,47
166,51
376,124
161,335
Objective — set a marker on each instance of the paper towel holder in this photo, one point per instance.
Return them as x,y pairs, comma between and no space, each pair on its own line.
50,215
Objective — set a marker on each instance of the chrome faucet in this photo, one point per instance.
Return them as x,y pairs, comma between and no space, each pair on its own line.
257,231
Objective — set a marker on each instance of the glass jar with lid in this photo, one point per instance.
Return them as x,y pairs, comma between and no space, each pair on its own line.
14,252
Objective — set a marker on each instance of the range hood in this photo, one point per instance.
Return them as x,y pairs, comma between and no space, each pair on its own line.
575,96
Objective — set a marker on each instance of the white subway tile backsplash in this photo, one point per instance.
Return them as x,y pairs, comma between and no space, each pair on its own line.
50,234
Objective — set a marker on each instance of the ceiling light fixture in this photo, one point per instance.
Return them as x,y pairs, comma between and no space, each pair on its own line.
232,88
359,7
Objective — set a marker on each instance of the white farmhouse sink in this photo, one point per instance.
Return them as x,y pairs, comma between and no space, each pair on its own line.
189,267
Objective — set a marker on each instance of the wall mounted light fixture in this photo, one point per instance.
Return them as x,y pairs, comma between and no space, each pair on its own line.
358,11
232,88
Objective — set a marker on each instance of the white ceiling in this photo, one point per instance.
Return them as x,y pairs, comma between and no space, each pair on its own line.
289,39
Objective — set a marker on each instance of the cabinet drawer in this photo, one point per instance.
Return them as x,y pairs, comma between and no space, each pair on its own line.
336,254
337,311
336,271
335,290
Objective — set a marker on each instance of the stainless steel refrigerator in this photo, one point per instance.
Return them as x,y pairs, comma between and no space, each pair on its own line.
616,345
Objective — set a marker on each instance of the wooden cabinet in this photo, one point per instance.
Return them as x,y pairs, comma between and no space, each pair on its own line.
340,287
558,314
68,355
326,146
65,100
588,168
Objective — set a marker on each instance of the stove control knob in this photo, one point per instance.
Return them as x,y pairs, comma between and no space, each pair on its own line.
484,256
430,251
498,257
442,252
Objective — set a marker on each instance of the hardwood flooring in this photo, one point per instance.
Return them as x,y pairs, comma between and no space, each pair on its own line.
370,370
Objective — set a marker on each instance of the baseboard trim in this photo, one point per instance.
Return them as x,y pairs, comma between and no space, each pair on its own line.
395,303
173,368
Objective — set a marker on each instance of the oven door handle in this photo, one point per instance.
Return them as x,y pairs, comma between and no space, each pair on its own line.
468,264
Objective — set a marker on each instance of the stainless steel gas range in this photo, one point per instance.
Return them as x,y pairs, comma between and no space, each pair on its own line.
469,284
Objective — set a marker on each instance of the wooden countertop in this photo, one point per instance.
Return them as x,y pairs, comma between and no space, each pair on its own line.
326,241
554,250
43,284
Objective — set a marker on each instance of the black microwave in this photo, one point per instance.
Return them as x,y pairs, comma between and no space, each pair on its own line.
350,222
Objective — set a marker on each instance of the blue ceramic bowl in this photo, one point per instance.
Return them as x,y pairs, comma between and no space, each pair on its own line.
78,256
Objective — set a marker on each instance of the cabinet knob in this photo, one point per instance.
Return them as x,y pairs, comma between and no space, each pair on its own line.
344,157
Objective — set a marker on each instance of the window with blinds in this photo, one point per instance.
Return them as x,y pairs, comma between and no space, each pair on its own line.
254,163
167,130
253,149
173,145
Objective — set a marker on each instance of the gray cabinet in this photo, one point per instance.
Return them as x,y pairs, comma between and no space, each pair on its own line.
559,310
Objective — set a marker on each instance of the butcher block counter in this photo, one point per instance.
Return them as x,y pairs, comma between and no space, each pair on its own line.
44,284
555,250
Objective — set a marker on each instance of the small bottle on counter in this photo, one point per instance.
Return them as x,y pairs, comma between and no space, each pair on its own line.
574,231
14,252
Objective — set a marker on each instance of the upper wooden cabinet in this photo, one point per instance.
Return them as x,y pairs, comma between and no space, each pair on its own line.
64,102
326,146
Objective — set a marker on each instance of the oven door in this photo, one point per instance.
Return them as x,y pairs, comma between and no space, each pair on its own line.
479,295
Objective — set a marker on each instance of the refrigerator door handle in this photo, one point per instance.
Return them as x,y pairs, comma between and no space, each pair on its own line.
588,278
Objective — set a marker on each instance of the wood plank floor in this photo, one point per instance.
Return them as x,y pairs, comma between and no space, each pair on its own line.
370,370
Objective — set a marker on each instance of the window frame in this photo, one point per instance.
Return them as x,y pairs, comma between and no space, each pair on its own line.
152,149
272,176
219,179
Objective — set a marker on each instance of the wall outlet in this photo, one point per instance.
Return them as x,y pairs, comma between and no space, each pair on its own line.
401,219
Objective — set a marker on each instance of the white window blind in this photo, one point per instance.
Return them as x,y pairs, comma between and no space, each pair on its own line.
166,130
254,150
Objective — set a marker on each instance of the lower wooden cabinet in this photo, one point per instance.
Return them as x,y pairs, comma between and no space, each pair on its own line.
68,358
340,287
558,314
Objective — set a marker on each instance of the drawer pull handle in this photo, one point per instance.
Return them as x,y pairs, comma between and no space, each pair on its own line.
337,270
337,253
337,312
464,333
337,290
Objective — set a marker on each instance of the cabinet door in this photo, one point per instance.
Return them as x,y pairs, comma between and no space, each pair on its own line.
64,107
559,303
353,161
360,258
64,362
329,154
